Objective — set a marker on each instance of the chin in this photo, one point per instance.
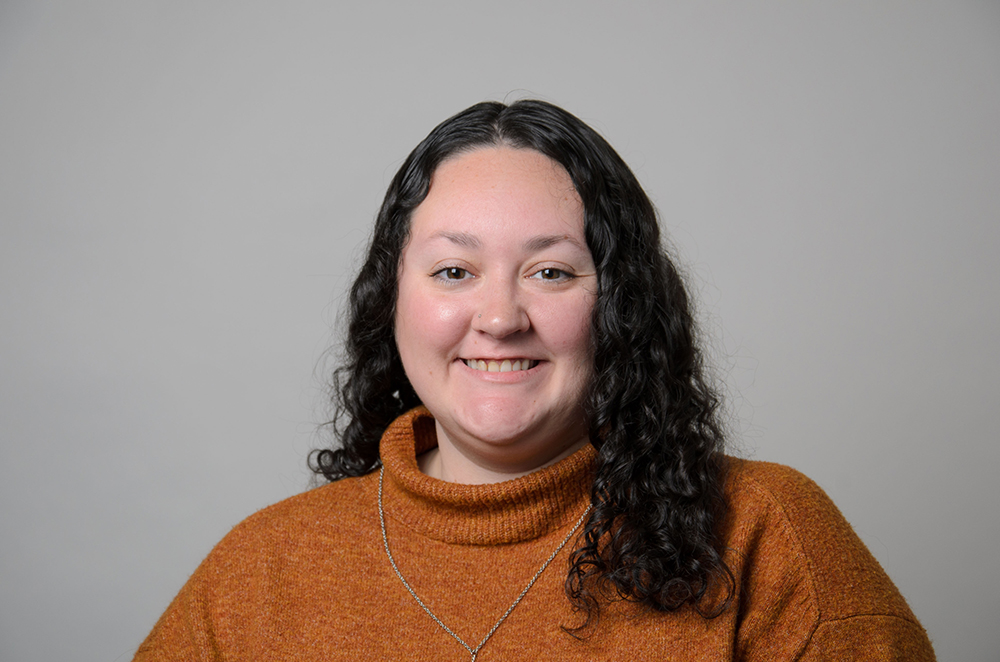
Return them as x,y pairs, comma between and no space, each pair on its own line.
498,432
508,424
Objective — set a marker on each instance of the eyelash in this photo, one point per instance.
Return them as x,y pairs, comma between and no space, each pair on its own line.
445,274
563,274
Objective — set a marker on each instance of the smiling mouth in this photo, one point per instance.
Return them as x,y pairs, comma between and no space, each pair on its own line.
506,365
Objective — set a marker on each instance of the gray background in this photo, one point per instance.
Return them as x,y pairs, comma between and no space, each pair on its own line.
185,188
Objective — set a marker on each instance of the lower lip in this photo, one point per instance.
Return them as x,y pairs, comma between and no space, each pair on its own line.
509,377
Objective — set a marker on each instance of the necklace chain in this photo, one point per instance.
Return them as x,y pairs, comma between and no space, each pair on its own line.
472,651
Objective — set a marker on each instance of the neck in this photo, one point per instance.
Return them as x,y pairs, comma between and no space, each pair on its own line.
447,462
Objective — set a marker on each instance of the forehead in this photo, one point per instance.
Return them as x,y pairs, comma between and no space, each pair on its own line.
500,187
494,166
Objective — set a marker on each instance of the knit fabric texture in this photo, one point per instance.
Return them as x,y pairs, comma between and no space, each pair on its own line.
308,579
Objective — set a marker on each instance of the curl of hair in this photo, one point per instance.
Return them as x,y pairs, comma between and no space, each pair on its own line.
657,495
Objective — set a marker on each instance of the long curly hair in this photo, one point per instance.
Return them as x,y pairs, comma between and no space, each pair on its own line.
652,534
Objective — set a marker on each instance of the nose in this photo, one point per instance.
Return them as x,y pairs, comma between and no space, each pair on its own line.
500,312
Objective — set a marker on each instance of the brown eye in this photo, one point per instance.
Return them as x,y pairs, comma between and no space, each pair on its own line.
550,273
452,273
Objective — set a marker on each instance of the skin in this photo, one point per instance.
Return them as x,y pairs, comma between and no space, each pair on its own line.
497,267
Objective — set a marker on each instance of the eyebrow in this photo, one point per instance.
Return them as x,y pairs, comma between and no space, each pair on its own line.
460,238
544,241
534,244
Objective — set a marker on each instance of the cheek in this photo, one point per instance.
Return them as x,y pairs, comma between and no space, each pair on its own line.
567,327
426,325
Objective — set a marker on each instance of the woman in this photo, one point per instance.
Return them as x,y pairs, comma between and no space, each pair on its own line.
530,463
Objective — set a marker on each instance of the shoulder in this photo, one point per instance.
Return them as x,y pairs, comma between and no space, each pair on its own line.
316,518
329,531
265,565
800,564
779,500
778,509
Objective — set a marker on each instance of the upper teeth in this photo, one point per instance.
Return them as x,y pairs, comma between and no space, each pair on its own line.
503,366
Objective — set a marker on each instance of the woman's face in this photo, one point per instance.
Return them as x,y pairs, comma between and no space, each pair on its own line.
496,289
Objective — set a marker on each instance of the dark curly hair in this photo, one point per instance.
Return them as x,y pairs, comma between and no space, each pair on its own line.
657,496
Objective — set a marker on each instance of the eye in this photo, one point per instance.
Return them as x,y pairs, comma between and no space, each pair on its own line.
551,273
452,273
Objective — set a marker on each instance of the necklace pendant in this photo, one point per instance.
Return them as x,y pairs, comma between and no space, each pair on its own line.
406,584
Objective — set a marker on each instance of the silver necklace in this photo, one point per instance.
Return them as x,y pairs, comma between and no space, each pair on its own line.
472,651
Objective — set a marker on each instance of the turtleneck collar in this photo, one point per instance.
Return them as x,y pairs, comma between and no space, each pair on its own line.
512,511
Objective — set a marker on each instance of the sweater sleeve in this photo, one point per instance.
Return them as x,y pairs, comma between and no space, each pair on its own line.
873,638
185,631
268,588
229,596
809,588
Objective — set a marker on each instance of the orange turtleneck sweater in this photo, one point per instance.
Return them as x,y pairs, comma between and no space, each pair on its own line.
308,579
